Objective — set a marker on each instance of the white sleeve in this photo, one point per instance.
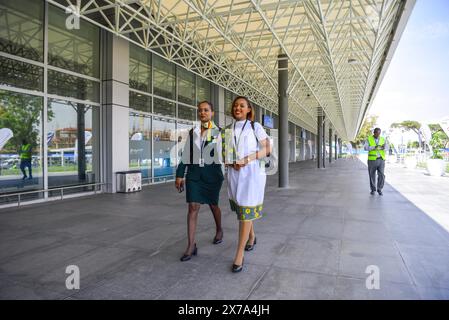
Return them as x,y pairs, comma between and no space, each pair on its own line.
260,131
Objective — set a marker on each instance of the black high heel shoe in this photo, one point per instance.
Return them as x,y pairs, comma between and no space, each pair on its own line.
250,247
236,268
187,257
218,241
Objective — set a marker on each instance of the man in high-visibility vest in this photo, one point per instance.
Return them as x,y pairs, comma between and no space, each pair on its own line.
25,159
376,146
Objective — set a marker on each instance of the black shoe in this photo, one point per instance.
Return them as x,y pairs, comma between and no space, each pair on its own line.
250,247
236,268
380,193
218,241
187,257
372,193
24,177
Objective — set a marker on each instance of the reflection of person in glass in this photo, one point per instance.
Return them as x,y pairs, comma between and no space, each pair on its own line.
204,174
25,159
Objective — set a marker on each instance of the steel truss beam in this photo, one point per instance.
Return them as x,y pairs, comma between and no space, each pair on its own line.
336,48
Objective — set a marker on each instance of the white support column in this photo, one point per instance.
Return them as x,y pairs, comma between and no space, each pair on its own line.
115,107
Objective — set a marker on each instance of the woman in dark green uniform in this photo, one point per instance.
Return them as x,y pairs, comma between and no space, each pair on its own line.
201,157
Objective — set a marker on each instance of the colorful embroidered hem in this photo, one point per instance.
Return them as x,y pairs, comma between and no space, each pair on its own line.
245,213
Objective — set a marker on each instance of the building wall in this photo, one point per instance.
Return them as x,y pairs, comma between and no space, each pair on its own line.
124,107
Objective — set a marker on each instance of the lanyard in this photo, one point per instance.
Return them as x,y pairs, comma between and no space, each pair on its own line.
204,138
235,138
203,142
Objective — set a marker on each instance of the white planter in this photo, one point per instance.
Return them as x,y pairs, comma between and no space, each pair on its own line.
435,167
410,162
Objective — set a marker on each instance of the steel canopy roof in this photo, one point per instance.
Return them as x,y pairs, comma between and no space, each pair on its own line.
338,50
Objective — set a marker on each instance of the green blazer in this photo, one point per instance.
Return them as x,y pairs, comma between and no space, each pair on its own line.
210,173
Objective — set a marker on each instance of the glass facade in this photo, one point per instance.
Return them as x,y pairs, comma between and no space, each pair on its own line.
20,123
140,144
164,78
77,50
61,119
73,143
63,122
140,101
300,145
139,69
186,112
164,108
204,90
21,74
164,141
163,100
186,86
67,85
22,29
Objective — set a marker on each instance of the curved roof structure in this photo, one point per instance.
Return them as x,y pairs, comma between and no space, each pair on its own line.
338,50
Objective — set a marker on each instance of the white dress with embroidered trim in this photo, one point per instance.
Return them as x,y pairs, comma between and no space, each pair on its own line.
246,186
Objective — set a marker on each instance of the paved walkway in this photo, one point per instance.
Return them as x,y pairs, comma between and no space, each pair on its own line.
418,187
316,241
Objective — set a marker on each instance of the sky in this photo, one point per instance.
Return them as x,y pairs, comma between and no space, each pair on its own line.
416,85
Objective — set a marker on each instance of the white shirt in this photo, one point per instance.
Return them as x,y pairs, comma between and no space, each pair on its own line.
245,142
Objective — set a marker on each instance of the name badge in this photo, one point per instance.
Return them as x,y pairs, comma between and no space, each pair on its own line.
201,162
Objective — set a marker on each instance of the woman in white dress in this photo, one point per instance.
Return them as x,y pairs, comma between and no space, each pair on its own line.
245,142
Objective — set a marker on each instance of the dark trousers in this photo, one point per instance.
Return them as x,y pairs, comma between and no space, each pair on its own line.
379,166
23,165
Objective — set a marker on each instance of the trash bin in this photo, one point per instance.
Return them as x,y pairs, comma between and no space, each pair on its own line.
129,181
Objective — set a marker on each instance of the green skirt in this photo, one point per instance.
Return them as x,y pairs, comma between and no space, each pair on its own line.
202,192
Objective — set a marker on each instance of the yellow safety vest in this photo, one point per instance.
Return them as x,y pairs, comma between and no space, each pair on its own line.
373,154
25,152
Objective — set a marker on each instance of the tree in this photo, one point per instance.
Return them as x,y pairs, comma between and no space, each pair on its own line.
410,125
414,126
22,114
365,131
413,145
439,140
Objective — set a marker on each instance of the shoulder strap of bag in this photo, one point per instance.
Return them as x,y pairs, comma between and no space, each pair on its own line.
254,131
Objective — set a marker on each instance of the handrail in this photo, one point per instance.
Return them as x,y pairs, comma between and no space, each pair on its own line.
19,194
52,189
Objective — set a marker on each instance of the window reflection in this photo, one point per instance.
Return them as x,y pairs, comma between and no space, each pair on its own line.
73,145
77,49
182,134
66,85
186,86
164,78
276,121
139,101
204,92
165,108
187,113
20,124
299,144
229,97
21,74
22,28
139,68
164,140
140,144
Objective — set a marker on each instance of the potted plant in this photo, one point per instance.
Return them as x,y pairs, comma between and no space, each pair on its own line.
436,165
